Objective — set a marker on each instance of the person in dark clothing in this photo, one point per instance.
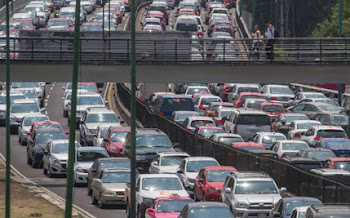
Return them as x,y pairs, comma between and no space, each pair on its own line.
269,34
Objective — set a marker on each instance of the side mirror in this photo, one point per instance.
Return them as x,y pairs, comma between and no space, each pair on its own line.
151,212
67,132
180,171
228,191
176,145
283,190
155,164
28,133
105,140
63,88
46,153
81,121
276,214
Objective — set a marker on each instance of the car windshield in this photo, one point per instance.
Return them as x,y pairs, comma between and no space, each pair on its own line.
103,131
226,113
291,205
90,156
315,95
102,118
25,85
153,141
25,108
171,206
177,104
105,164
281,90
321,155
27,25
91,28
206,101
58,23
89,100
329,108
58,126
210,132
344,165
250,148
171,160
62,148
306,125
253,120
90,88
309,166
191,91
229,140
218,175
67,14
254,104
196,165
294,146
330,133
340,119
205,212
255,187
116,177
29,93
339,145
44,138
293,118
12,97
270,139
197,123
161,183
184,116
28,121
119,136
328,101
273,108
247,89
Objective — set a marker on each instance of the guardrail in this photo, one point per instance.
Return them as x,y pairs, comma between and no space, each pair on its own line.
320,51
297,181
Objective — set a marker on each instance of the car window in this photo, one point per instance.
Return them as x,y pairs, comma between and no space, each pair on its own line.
299,107
253,119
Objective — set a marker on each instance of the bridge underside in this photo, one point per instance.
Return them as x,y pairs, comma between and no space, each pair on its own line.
267,73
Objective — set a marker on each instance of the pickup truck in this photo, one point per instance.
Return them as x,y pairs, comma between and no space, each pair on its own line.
152,186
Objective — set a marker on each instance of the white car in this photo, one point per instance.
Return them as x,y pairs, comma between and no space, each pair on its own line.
26,124
288,147
299,212
84,158
299,127
67,98
226,138
40,90
191,123
314,133
267,139
197,89
13,95
304,95
203,101
30,93
167,162
277,94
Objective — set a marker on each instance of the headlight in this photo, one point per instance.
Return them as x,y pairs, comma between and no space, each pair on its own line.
79,170
241,205
148,201
140,157
38,150
54,160
114,149
190,180
213,190
108,192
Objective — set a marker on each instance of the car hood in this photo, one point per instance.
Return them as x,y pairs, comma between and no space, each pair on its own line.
58,28
191,175
84,107
146,150
164,193
84,166
25,128
114,186
258,198
215,185
21,115
167,215
169,169
95,125
61,157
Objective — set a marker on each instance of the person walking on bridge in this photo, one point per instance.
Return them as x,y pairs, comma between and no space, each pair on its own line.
270,35
256,41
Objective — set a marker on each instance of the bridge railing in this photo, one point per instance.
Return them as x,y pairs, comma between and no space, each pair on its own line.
172,50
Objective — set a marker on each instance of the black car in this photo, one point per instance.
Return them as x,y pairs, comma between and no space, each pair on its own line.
206,209
149,142
320,154
304,163
37,144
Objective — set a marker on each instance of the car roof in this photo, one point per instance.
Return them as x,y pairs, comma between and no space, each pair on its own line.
206,204
271,103
291,141
164,154
200,158
270,133
43,130
276,85
335,140
30,100
242,111
116,170
90,149
149,131
164,175
175,96
326,171
196,87
59,141
227,134
306,121
244,144
316,149
213,168
294,114
209,127
36,115
299,199
316,103
186,112
250,175
328,127
199,118
302,160
329,210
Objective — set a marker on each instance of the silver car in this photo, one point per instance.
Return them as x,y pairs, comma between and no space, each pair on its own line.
56,157
40,90
26,124
13,95
109,186
277,93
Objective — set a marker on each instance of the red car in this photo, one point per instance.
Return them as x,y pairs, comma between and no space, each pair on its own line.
272,109
248,146
245,95
118,13
167,207
208,131
209,182
26,24
44,124
114,140
338,163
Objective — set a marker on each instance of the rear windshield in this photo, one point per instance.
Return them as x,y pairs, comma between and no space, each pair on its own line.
254,104
270,108
253,120
229,140
344,165
206,101
331,133
187,27
178,104
197,123
247,89
243,98
281,90
192,91
308,166
340,119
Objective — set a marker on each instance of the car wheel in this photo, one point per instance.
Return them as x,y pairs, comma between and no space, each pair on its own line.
93,199
49,172
65,113
29,160
89,189
195,196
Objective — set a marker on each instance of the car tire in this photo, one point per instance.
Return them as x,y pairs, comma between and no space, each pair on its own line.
29,160
195,197
51,175
93,199
65,113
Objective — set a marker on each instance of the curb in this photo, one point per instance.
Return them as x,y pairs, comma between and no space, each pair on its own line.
44,192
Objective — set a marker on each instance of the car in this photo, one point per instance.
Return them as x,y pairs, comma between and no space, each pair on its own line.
238,99
252,104
304,95
108,187
167,206
320,154
114,139
208,131
272,109
84,159
248,146
67,98
180,116
222,114
40,90
26,124
20,108
91,27
286,148
203,101
30,93
197,89
166,104
277,94
191,123
337,163
304,163
189,169
206,209
314,133
226,138
299,127
313,108
285,206
328,210
17,17
90,86
26,24
323,100
209,181
55,157
290,117
250,193
340,146
299,212
238,88
99,136
105,163
153,186
267,139
149,142
44,124
152,99
37,144
340,174
91,119
69,12
265,153
13,96
167,162
213,107
333,119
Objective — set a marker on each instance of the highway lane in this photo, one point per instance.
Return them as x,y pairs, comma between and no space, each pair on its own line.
57,185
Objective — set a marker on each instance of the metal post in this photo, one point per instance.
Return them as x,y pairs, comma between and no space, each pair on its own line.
103,24
253,15
133,113
8,144
340,35
72,125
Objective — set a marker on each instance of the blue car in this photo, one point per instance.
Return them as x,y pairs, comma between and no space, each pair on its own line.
166,104
285,206
340,146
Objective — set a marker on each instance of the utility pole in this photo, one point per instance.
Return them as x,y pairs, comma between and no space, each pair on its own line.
340,32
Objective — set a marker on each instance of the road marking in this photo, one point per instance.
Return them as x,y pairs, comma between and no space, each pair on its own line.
127,20
53,84
48,96
45,104
51,88
46,100
106,90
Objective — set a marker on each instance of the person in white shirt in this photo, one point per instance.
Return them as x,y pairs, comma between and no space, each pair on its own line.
269,34
256,41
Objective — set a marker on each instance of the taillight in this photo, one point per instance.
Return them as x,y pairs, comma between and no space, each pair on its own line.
200,33
297,134
197,13
161,114
141,98
201,106
221,121
317,138
189,130
226,89
273,98
215,30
